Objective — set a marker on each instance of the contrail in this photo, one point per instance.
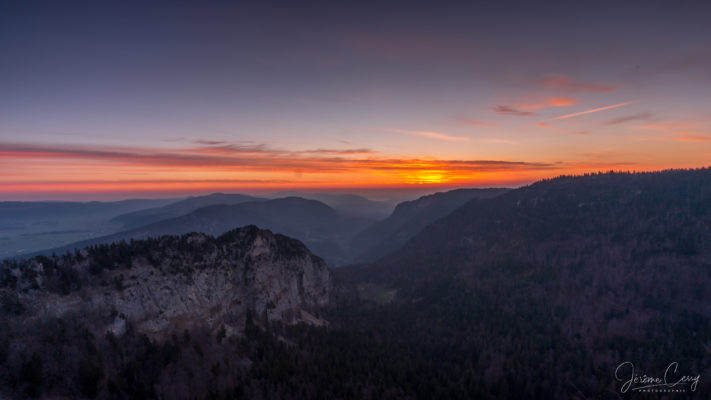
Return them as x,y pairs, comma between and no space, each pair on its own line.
593,110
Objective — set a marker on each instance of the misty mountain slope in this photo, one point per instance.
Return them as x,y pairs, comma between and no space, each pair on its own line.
176,209
347,204
30,226
18,210
320,227
569,274
125,311
409,218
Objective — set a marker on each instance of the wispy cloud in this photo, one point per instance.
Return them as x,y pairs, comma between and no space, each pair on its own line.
507,110
49,169
676,131
339,151
466,121
566,83
499,141
210,142
667,126
594,110
234,148
692,137
561,101
537,104
191,158
431,135
223,147
628,118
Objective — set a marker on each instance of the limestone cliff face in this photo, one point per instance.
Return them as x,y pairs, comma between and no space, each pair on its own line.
175,282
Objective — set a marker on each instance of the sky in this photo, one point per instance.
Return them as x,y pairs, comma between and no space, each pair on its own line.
119,99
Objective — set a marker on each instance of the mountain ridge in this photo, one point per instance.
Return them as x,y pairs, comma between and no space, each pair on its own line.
179,208
319,226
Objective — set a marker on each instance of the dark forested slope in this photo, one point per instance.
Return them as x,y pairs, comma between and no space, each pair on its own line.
551,286
409,218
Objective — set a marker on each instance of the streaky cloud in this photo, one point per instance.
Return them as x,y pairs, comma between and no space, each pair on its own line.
431,135
339,151
466,121
499,141
628,118
507,110
594,110
561,101
692,137
191,159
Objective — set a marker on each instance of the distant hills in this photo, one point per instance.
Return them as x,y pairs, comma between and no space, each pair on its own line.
347,204
179,208
343,230
319,226
26,227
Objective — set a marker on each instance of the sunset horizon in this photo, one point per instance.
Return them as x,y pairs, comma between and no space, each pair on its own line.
110,102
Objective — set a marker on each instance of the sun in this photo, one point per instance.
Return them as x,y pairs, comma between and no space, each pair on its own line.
431,176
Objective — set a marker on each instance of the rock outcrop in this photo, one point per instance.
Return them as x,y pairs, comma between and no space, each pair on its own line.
162,285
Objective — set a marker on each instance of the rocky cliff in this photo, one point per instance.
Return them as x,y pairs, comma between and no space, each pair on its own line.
171,283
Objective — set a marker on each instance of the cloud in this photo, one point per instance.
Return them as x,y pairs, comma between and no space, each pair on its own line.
221,147
234,148
507,110
339,151
46,168
499,141
678,131
431,135
210,142
558,101
594,110
528,106
691,137
462,120
561,101
628,118
667,126
455,165
565,83
605,154
273,161
255,157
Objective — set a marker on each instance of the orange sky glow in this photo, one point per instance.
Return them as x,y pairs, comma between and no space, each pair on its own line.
59,171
